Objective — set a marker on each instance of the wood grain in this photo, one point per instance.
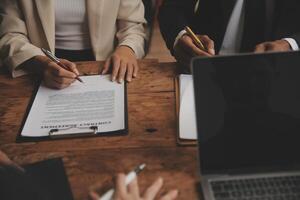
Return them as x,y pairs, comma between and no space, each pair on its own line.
91,162
152,77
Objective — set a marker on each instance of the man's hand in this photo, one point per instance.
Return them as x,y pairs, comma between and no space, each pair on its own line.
277,45
132,191
124,64
186,49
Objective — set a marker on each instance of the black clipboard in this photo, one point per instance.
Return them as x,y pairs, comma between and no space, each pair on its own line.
90,131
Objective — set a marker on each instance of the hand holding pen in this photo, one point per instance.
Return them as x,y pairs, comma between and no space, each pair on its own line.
203,42
127,189
57,73
189,45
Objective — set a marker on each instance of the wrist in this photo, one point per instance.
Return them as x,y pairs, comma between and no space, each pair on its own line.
180,35
285,44
41,59
126,48
293,45
125,51
35,64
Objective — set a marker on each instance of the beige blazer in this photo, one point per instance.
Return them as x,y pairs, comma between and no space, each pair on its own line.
28,25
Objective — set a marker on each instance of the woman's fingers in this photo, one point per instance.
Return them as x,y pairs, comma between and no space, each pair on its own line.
124,64
57,77
135,69
116,67
129,73
51,83
4,160
94,196
70,65
152,191
58,71
170,195
122,71
106,66
131,192
121,189
133,189
63,80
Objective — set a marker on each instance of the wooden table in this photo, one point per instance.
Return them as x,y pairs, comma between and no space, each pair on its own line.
91,162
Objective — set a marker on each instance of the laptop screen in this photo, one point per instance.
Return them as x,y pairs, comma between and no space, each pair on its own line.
248,111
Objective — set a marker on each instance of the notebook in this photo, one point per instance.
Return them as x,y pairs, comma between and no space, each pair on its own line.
44,180
51,177
185,109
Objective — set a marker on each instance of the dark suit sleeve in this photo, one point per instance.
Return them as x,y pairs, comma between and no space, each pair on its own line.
287,24
174,15
292,19
297,38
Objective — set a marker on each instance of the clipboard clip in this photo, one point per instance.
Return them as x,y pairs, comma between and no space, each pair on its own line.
73,132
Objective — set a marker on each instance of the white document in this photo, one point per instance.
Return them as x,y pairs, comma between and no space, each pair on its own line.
187,114
96,102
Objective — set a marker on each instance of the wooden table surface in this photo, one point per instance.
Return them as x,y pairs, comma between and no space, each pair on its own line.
91,162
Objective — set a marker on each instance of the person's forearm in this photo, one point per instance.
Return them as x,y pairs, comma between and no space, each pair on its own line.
130,26
15,46
173,17
33,65
134,38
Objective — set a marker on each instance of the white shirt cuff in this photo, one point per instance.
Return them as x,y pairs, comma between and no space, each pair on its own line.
292,43
180,34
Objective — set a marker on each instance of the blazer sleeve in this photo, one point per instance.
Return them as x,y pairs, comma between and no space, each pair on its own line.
296,37
15,47
285,23
173,16
130,26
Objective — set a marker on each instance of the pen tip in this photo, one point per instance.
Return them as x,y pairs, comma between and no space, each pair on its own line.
139,168
79,79
142,166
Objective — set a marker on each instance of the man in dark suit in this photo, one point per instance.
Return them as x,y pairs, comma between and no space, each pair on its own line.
230,26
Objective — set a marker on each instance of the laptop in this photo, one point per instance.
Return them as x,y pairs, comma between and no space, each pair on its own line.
248,122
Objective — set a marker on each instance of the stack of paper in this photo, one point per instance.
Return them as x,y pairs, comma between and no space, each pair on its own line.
187,114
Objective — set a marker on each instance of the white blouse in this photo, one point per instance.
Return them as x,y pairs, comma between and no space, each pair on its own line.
71,25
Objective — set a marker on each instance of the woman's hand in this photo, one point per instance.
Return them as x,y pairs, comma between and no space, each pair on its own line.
131,192
124,64
55,76
5,161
